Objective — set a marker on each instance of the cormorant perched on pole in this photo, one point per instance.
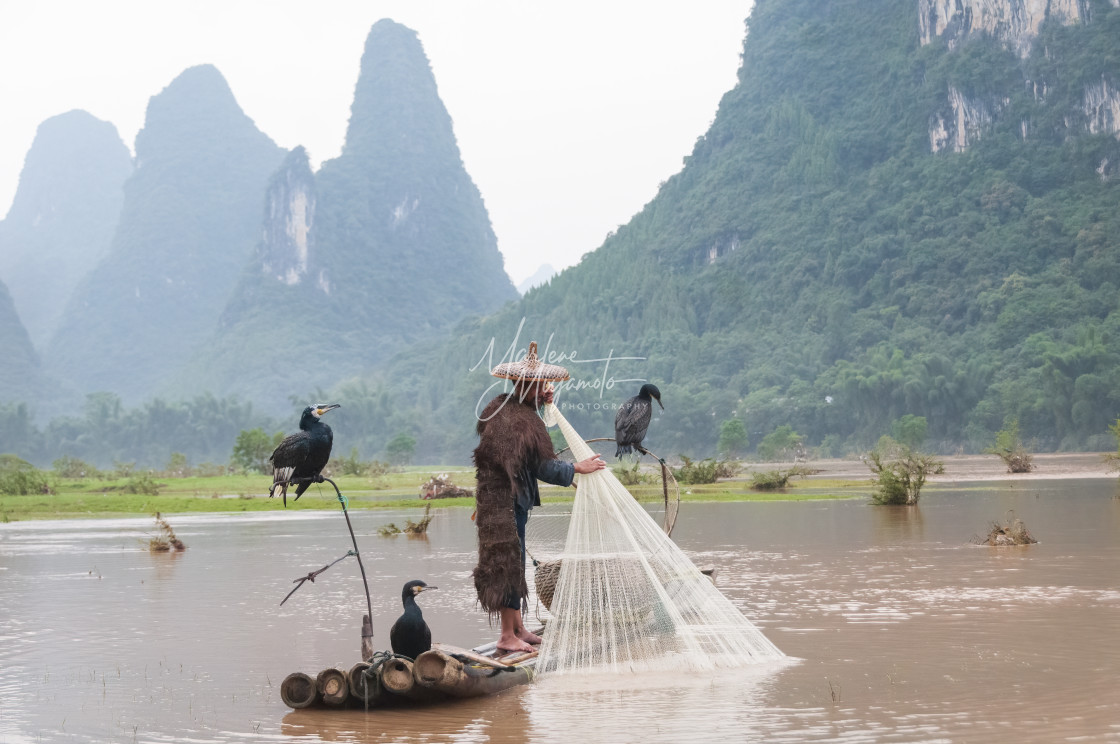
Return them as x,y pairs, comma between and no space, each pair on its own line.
410,635
302,455
632,420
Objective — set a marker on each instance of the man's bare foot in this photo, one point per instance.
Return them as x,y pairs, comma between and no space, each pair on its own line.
513,645
529,637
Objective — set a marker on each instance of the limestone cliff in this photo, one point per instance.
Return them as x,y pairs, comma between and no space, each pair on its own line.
967,114
284,251
1014,22
1102,107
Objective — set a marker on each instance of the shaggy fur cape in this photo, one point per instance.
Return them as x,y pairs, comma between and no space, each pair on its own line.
511,438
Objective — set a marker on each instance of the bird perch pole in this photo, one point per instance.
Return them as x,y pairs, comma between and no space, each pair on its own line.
367,622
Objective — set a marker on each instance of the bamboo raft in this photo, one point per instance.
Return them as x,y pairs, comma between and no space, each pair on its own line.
387,681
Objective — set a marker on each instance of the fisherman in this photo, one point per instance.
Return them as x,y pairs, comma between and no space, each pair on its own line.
514,452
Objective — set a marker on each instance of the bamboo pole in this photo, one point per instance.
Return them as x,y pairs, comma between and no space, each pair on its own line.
367,638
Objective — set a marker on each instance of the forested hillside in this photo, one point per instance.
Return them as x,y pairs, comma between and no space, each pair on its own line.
825,261
902,208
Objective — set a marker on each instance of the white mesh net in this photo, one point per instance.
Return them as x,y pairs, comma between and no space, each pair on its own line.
628,598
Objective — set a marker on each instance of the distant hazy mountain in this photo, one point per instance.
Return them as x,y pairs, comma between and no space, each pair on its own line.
19,365
386,245
539,277
190,219
63,215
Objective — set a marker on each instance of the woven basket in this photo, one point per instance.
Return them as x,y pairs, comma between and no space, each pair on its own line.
546,576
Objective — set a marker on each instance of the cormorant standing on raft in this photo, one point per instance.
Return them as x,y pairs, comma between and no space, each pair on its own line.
410,635
304,454
632,420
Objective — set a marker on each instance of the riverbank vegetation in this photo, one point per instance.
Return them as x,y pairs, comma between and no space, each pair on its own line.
109,494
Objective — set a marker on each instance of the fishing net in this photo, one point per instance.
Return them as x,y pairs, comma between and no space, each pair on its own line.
646,477
627,598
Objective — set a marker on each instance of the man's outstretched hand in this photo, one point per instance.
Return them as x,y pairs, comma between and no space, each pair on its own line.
590,465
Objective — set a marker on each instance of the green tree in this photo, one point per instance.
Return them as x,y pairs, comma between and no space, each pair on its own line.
401,448
779,444
909,431
732,438
178,465
253,448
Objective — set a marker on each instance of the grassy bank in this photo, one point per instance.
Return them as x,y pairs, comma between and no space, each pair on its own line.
96,498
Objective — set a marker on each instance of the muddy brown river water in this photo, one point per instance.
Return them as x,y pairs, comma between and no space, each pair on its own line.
898,627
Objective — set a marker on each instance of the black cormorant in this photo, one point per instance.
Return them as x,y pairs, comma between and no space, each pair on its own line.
632,420
410,635
304,454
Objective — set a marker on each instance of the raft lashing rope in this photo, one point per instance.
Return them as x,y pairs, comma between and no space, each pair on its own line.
628,599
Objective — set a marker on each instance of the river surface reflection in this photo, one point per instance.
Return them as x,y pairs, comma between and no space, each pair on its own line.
900,629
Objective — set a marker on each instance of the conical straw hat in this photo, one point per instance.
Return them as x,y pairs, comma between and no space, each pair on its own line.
530,368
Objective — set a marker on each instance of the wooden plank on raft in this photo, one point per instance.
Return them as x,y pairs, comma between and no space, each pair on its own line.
470,655
519,657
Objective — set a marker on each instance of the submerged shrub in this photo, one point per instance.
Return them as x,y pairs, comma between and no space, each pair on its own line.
774,480
900,475
1009,447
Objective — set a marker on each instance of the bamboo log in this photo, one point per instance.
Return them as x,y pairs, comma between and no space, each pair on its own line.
365,689
438,671
298,690
332,686
396,676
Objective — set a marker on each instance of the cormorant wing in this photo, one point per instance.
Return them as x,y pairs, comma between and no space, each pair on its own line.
290,454
631,421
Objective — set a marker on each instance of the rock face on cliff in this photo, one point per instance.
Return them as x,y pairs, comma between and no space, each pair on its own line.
285,250
1013,22
63,215
188,225
969,114
386,245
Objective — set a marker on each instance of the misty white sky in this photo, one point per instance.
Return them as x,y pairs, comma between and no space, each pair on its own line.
568,114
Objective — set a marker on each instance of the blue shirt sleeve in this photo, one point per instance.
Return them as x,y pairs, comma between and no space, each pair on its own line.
556,472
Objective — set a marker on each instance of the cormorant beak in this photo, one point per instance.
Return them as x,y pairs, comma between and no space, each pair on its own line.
658,399
323,409
419,589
